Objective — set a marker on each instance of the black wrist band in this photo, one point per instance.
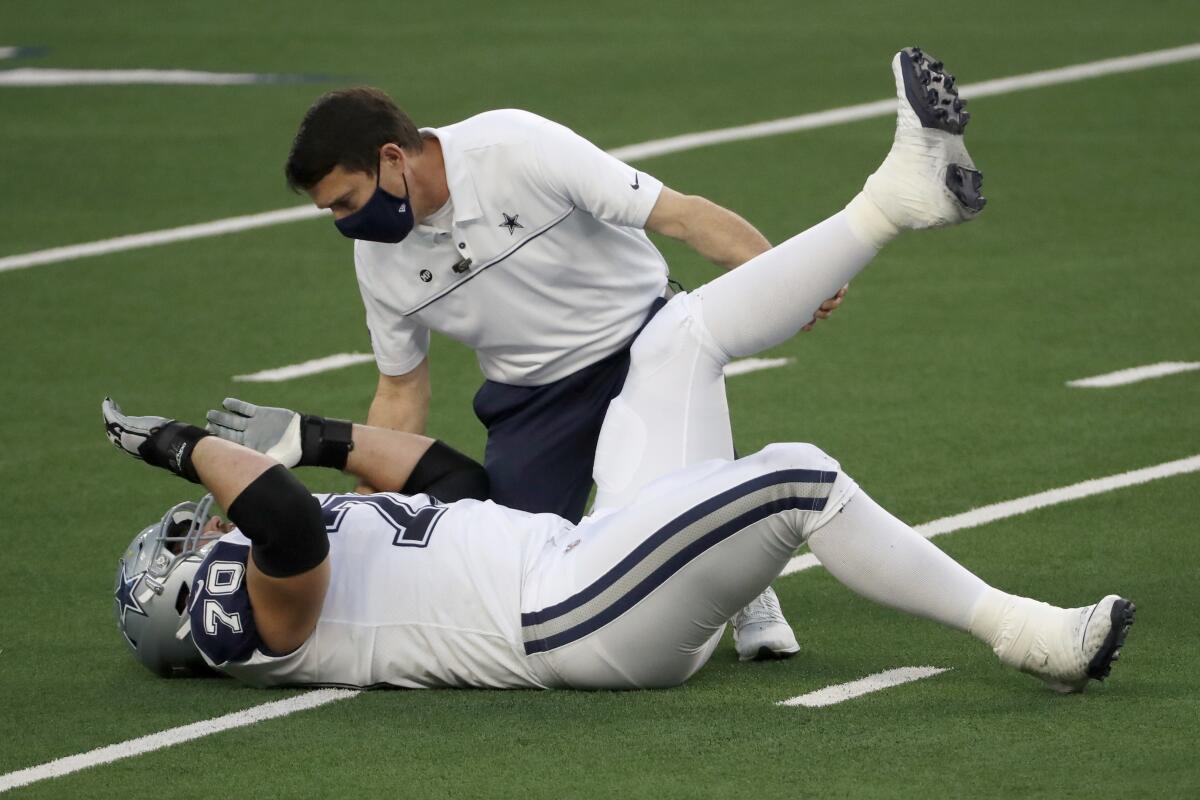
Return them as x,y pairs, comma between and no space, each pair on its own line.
325,442
171,446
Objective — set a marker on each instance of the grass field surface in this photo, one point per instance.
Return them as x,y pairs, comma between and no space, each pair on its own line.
940,385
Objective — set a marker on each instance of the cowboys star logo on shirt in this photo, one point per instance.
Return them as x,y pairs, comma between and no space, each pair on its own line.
511,223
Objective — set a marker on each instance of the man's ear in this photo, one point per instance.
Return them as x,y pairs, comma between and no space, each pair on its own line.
393,155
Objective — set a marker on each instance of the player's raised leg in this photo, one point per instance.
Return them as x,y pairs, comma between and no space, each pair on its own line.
673,411
928,180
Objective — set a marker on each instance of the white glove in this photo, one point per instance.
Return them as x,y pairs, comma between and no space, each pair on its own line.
128,433
269,430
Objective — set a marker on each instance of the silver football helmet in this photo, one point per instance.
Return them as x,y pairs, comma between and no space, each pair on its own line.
154,579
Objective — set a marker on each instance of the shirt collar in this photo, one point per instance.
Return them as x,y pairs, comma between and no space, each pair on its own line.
458,179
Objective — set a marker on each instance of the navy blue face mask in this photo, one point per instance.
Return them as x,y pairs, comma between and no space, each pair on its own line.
384,218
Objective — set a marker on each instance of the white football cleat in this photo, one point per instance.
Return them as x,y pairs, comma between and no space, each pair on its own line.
928,180
760,632
1065,647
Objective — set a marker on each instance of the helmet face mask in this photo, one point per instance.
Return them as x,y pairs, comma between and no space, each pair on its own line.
153,585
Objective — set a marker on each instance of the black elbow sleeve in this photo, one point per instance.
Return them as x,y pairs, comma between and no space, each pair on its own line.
283,520
447,475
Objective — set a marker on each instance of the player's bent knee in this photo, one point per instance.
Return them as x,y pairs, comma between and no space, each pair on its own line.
824,480
797,455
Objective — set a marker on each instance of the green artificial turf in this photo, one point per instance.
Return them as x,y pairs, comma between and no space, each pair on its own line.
940,385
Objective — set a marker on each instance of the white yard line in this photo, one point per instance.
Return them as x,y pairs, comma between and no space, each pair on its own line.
1023,505
742,366
842,692
22,51
133,242
1135,374
800,563
41,76
313,367
341,360
880,108
642,150
171,736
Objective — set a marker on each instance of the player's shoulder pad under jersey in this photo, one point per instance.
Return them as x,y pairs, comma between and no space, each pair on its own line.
222,619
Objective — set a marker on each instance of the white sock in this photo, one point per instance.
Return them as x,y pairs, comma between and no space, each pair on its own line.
879,557
869,222
766,301
1010,624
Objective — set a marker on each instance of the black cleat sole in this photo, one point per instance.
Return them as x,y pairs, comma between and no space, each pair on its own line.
1121,618
931,92
965,184
767,654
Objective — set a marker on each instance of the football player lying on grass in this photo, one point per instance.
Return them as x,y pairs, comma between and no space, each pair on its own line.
400,589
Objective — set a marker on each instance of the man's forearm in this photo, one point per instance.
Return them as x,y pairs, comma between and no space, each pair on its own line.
401,403
716,233
721,236
397,413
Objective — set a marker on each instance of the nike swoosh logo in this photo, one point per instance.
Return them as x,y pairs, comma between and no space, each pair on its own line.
636,183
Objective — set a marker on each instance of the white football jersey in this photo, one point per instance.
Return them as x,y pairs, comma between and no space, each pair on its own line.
421,595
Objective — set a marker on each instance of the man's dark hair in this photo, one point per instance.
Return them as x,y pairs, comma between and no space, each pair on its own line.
346,128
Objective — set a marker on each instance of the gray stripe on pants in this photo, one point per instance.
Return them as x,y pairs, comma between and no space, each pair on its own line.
669,549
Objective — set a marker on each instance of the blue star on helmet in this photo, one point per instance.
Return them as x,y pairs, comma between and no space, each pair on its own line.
125,594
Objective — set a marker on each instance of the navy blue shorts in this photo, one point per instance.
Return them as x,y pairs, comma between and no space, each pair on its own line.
542,439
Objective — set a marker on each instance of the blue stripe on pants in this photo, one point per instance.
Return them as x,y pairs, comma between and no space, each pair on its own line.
701,540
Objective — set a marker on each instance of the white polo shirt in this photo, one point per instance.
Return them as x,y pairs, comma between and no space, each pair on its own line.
539,263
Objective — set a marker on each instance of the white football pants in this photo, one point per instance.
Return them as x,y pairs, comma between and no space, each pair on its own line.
681,537
672,411
637,598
